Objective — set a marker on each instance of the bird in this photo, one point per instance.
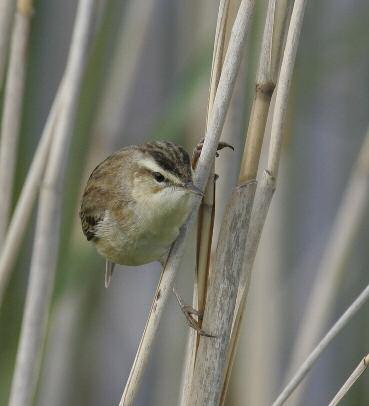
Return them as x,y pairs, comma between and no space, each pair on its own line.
136,201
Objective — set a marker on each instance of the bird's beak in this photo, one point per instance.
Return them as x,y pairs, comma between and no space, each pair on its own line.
193,189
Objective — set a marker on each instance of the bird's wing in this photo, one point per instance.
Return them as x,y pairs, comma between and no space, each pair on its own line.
102,189
90,219
109,268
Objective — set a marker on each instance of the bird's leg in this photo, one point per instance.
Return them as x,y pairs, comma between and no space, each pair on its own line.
189,311
197,151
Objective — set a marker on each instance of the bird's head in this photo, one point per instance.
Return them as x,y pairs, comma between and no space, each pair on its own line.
163,177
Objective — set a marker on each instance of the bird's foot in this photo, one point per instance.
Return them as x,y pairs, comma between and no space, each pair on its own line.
197,151
189,311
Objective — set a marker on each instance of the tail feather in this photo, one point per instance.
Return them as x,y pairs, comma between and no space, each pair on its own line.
109,269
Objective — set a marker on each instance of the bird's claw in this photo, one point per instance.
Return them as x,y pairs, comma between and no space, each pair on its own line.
197,151
189,311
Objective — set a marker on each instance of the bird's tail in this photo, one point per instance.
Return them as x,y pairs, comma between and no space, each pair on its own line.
109,269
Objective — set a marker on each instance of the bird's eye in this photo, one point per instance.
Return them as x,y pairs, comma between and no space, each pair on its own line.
158,176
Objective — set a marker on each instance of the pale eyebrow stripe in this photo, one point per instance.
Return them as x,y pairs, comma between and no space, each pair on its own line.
151,165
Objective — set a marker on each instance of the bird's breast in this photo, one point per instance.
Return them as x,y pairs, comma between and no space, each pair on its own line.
139,241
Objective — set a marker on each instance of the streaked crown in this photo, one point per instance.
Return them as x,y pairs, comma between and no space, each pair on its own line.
171,157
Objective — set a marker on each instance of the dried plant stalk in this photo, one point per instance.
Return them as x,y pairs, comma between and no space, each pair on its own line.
45,252
274,32
271,51
23,209
206,387
7,8
322,345
12,109
359,370
206,160
221,299
207,208
346,226
267,185
206,211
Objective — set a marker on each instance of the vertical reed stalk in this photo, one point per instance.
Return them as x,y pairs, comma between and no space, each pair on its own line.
45,252
206,211
223,282
201,175
206,219
221,299
271,49
13,98
266,188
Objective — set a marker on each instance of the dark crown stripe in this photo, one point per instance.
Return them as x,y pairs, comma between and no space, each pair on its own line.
165,162
171,157
184,155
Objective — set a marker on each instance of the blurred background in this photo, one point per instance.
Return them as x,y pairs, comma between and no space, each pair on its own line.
148,78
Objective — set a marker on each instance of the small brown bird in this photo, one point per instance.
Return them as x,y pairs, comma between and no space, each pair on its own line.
135,202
